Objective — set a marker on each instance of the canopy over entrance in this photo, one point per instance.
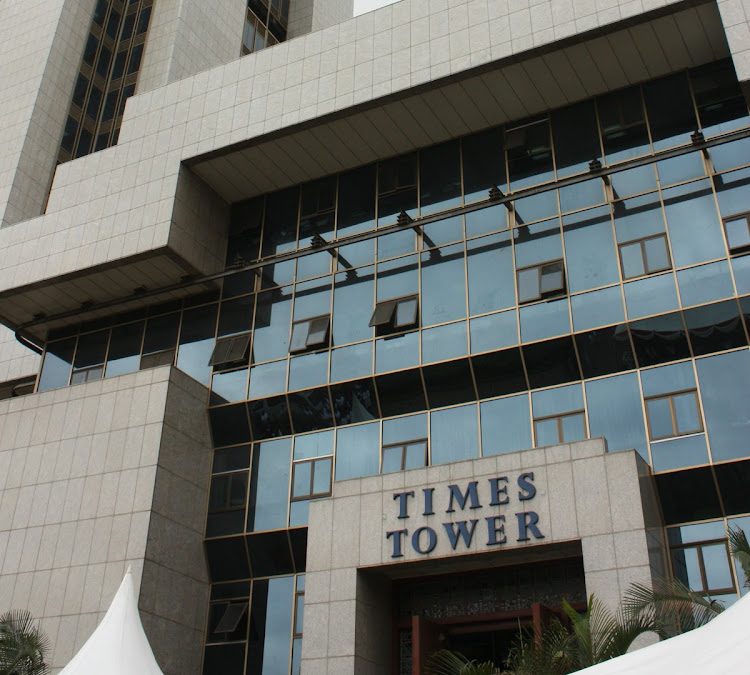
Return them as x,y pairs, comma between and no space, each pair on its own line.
118,646
721,646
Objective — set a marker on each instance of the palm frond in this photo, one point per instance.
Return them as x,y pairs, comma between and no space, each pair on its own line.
740,550
22,645
672,603
550,652
447,662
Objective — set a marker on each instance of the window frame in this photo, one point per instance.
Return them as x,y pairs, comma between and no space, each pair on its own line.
311,494
543,295
644,258
698,546
560,417
230,476
232,342
323,343
670,397
389,323
404,445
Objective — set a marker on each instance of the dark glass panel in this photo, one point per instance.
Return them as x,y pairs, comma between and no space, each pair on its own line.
226,504
79,92
356,213
124,349
439,177
721,105
270,554
671,115
91,350
449,383
237,589
605,350
551,362
143,19
659,339
236,316
113,23
230,459
229,425
397,187
102,65
223,659
135,59
733,480
100,12
280,232
69,135
58,361
196,342
269,485
400,393
714,328
483,164
227,559
576,137
269,417
311,410
499,373
688,495
269,640
354,402
529,154
298,539
127,27
161,333
89,53
624,130
119,68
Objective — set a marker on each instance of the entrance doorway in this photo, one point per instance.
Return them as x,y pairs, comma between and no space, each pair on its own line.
479,613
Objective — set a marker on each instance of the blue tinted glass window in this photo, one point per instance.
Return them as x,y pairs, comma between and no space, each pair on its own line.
490,272
506,426
705,283
454,434
358,451
590,249
615,412
725,390
269,489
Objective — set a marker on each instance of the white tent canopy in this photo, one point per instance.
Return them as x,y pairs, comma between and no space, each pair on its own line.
118,646
721,646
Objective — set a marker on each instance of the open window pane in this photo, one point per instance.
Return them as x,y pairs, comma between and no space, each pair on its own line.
299,336
318,331
232,616
392,459
528,284
415,455
573,428
632,260
383,313
406,313
301,480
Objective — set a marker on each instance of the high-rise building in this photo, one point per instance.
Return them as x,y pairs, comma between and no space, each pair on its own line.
408,325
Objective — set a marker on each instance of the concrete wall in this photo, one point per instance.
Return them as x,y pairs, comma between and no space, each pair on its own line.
98,477
41,43
186,37
604,501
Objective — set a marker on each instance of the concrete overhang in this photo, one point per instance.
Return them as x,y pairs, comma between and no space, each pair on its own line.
573,69
513,87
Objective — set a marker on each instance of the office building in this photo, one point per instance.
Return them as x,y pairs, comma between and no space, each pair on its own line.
357,337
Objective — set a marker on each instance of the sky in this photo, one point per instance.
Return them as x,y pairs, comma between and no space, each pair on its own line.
364,6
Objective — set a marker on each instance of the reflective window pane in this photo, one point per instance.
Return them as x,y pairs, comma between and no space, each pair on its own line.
454,434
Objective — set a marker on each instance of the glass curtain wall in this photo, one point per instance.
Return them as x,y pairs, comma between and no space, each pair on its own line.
107,77
616,306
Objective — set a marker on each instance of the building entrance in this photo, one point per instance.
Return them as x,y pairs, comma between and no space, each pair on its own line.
479,613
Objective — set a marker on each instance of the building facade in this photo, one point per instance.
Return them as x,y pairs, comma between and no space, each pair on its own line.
358,337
